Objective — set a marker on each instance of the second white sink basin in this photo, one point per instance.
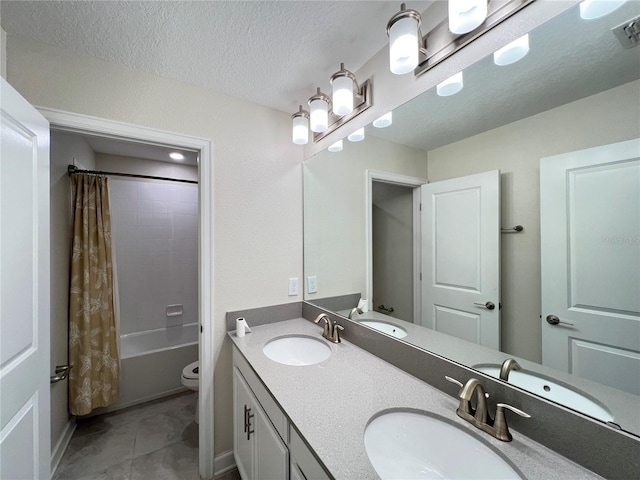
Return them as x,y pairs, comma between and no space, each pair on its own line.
412,445
551,390
384,327
299,350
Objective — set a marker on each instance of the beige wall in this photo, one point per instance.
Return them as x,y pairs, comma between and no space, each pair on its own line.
258,175
608,117
66,149
335,210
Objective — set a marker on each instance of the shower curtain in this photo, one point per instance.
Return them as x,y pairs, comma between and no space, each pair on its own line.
93,341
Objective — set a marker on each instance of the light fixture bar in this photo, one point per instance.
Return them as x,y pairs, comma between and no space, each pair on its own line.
442,43
361,102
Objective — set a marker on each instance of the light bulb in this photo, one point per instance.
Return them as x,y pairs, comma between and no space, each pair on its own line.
466,15
450,86
176,156
384,121
357,136
300,130
319,116
336,147
590,9
342,95
403,46
512,52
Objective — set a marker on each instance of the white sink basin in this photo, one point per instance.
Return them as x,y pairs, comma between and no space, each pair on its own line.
411,445
552,391
384,327
297,350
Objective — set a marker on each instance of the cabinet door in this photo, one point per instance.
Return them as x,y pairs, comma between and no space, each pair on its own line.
272,455
243,441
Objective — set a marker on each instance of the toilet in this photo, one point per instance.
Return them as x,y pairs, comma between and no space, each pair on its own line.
190,376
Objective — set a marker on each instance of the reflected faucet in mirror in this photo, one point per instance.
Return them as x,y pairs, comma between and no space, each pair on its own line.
355,310
508,365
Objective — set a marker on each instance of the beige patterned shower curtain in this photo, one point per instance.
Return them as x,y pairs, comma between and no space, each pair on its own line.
94,380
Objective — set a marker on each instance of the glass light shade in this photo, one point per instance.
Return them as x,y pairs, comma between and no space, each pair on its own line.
590,9
384,121
342,95
357,136
336,147
403,46
466,15
300,130
319,116
450,86
512,52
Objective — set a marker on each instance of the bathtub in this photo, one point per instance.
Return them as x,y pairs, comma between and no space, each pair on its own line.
151,364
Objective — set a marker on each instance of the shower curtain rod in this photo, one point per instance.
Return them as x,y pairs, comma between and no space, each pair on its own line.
72,169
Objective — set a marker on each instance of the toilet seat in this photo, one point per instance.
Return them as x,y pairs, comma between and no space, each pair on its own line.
191,371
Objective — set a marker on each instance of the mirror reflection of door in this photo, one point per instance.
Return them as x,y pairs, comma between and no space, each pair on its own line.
461,257
590,225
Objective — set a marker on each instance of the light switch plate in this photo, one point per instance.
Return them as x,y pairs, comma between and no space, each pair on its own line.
293,287
312,284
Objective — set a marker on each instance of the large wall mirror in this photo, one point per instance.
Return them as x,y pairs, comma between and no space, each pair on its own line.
549,143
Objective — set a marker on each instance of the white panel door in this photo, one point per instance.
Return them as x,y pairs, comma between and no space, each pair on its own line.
24,290
461,257
590,246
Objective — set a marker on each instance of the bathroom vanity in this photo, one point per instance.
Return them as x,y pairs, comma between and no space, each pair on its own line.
304,422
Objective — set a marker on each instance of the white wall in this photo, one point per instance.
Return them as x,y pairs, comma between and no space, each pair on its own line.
64,149
335,244
608,117
258,175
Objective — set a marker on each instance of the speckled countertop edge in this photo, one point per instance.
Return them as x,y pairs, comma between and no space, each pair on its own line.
330,404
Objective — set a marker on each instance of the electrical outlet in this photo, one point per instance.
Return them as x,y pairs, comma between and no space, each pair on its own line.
312,284
293,287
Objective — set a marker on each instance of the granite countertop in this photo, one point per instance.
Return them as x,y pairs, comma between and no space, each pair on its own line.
331,402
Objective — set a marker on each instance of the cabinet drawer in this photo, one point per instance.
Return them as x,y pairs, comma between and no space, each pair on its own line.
269,405
307,464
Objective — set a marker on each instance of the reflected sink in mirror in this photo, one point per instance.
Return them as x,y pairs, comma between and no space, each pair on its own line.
410,444
551,390
384,327
298,350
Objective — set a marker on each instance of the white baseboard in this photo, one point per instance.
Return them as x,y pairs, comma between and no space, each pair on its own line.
224,462
62,444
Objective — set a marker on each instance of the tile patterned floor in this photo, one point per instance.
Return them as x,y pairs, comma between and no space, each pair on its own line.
157,440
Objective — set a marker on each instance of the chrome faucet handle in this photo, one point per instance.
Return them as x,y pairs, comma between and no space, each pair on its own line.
335,338
500,423
453,380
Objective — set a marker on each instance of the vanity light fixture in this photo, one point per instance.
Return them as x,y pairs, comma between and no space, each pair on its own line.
357,136
300,120
319,108
383,121
512,52
450,86
176,156
591,9
466,15
344,83
405,41
336,147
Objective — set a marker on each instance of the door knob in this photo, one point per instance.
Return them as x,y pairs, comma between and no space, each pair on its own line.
554,320
487,305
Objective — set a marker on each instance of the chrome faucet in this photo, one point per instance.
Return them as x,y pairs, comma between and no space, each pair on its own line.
328,326
331,329
355,310
479,416
508,365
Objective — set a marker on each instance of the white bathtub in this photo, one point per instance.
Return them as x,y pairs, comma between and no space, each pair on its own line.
151,364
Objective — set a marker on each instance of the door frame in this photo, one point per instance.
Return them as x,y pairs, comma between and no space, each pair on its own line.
407,181
85,124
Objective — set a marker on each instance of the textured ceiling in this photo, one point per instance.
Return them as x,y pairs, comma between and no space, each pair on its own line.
569,59
273,53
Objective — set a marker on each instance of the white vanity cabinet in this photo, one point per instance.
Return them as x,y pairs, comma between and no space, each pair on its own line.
266,445
259,451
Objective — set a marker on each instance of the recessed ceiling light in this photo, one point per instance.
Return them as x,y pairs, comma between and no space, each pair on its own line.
176,156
